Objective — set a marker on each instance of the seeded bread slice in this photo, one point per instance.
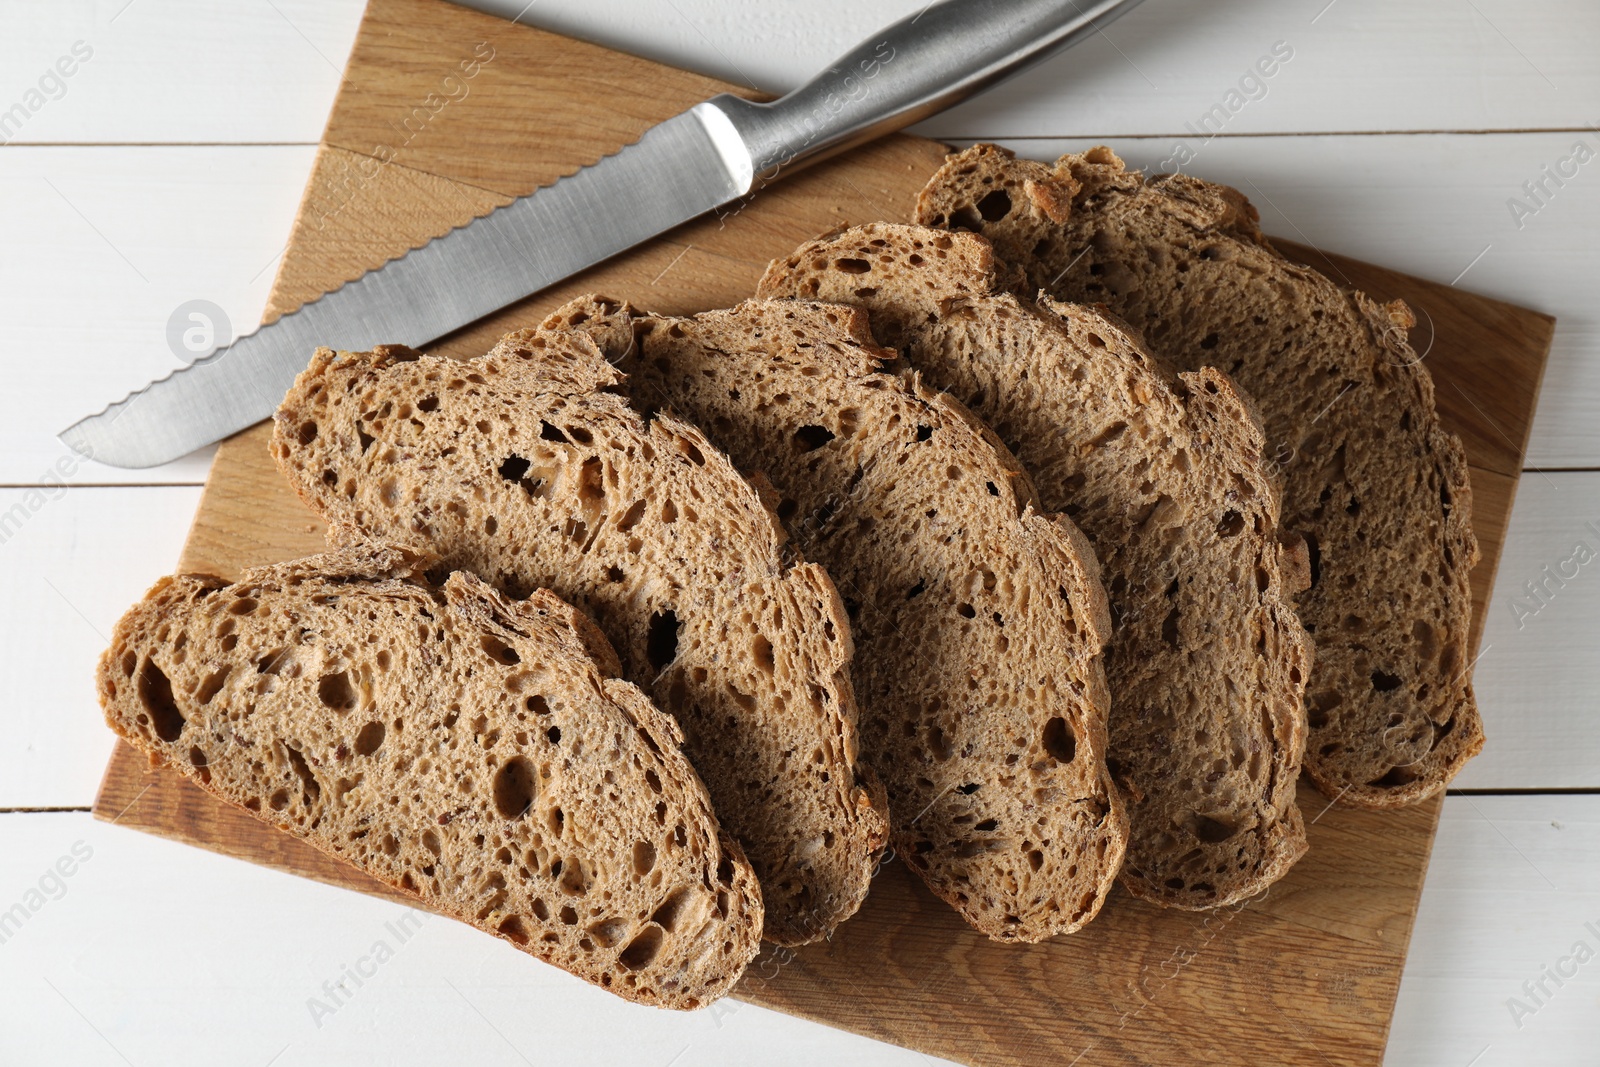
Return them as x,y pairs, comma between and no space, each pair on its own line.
528,468
978,621
1163,472
1377,486
475,752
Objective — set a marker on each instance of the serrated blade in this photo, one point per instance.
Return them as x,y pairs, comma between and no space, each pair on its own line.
679,169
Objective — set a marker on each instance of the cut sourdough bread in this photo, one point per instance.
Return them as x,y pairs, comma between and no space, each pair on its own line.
1207,661
475,752
978,622
1371,479
528,468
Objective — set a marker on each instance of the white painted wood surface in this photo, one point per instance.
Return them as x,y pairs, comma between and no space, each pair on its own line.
167,167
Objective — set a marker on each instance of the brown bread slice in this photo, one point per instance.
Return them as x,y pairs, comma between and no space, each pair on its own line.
1377,486
978,621
528,468
1207,661
476,752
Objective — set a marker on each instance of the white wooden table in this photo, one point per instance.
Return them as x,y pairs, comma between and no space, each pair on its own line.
166,167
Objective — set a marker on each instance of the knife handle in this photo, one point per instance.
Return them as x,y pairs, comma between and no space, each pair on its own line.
907,72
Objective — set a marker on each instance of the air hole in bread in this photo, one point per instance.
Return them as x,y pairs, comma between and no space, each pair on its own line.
924,432
964,217
917,590
1314,558
243,606
155,693
761,650
1395,777
370,739
850,265
515,786
631,517
513,468
307,432
1108,435
212,685
1384,682
995,206
550,432
499,651
608,932
666,916
811,438
644,858
661,643
1212,831
987,826
512,928
1231,524
642,949
334,690
1058,740
310,788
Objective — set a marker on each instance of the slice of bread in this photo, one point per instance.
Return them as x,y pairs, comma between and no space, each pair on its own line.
1376,485
978,621
528,468
475,752
1207,661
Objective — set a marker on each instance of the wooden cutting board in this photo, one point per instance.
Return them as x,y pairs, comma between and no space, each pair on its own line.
444,114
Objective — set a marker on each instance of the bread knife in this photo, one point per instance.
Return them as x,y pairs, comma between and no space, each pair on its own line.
714,153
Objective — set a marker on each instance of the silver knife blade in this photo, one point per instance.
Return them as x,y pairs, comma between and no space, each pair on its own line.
679,169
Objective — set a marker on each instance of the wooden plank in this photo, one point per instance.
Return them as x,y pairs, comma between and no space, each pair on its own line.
1539,672
177,71
1315,964
1511,892
1489,922
195,70
149,938
103,245
71,560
